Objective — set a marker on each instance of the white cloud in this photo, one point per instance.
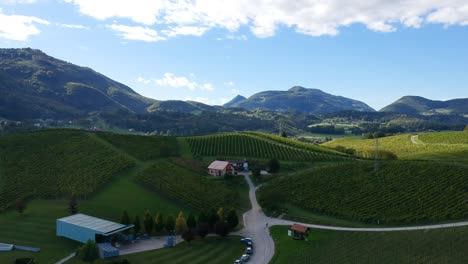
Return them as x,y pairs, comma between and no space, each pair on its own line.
14,2
73,26
185,31
173,81
230,83
136,33
208,101
20,28
263,17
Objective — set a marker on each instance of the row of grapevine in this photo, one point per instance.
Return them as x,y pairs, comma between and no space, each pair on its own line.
187,187
54,164
251,146
399,192
455,137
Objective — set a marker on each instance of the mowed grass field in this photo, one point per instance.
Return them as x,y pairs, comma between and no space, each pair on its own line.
402,146
210,250
446,246
397,193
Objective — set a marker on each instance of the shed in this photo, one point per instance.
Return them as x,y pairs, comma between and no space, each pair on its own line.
220,168
300,232
80,227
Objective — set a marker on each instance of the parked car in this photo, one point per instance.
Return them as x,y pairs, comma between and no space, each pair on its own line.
249,244
238,261
246,240
249,251
245,258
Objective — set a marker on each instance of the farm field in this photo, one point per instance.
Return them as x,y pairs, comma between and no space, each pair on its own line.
324,246
399,193
258,145
402,146
458,137
54,163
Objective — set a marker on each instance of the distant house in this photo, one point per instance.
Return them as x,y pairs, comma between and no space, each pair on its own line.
299,232
220,168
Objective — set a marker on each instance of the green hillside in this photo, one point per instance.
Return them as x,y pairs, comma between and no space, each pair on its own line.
55,163
404,148
324,246
258,145
455,137
398,193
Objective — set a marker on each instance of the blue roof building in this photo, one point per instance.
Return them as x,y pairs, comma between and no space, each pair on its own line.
80,227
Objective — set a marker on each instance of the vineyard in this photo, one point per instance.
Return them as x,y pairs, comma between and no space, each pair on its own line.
445,137
143,147
398,193
54,163
402,146
324,246
187,187
249,145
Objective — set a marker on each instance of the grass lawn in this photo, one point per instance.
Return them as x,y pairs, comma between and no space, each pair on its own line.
35,228
446,246
211,250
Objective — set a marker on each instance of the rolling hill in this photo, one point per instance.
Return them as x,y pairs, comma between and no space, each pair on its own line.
34,85
300,99
422,106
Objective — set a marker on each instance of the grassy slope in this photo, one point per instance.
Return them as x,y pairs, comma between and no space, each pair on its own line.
458,137
400,192
402,146
427,246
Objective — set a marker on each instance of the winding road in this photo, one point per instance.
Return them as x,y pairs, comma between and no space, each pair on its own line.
256,226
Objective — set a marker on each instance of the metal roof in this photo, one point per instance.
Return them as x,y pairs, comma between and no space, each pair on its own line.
96,224
218,165
299,228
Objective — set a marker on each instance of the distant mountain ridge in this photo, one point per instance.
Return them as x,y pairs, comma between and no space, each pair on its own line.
34,85
423,106
300,99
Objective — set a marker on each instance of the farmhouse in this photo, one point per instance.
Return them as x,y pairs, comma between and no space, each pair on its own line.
81,228
299,232
220,168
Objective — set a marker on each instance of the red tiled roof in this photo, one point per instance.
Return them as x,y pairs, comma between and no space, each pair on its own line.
299,228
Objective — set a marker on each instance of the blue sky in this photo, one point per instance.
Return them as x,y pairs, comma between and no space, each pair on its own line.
210,51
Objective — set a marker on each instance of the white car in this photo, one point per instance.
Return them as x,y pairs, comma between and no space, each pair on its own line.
245,258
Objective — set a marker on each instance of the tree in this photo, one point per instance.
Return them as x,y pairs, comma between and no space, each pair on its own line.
273,166
73,206
188,235
180,224
220,214
232,219
221,229
202,218
466,128
283,134
213,218
89,252
20,206
125,220
191,222
148,222
203,229
137,225
170,223
159,223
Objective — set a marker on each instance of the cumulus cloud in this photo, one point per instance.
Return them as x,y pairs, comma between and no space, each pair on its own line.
136,33
263,17
173,81
20,28
229,83
208,101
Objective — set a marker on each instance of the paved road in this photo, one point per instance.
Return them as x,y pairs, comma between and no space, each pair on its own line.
255,222
414,139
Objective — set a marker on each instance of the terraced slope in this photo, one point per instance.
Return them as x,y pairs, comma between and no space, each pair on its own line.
404,148
53,164
398,193
257,145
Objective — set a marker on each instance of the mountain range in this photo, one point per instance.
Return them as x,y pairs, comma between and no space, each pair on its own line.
34,85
